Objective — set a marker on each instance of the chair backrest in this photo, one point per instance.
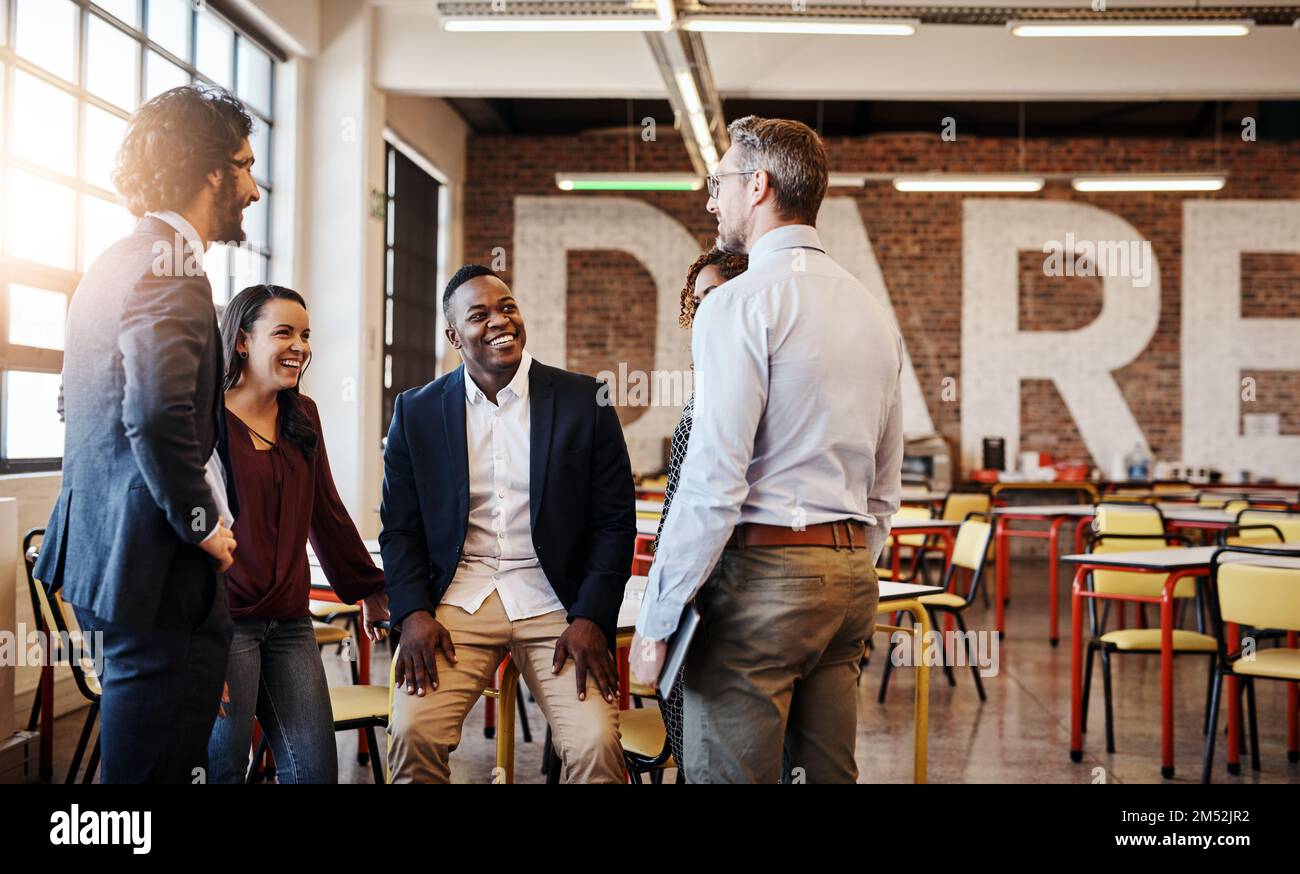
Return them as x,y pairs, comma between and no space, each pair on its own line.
970,550
1130,522
972,543
912,513
959,505
1131,519
60,623
1258,595
1287,523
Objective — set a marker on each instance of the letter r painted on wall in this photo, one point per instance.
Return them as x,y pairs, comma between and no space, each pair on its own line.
996,354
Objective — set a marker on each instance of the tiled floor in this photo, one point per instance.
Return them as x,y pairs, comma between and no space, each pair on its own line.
1020,735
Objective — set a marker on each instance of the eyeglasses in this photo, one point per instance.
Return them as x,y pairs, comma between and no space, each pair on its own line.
714,180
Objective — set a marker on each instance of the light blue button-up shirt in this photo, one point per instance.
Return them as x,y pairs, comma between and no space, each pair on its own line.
797,415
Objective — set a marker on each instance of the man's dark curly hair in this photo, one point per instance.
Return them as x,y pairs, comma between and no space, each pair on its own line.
729,264
174,141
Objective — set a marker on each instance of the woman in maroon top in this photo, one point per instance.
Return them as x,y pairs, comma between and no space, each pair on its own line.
276,452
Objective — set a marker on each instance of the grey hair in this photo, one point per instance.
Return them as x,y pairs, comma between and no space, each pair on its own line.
793,156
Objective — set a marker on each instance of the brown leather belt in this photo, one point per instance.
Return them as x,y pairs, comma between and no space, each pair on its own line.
846,533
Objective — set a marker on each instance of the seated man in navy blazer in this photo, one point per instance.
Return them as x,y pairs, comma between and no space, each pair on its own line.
509,521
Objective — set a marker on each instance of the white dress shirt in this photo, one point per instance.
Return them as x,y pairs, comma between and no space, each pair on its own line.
499,554
797,415
214,474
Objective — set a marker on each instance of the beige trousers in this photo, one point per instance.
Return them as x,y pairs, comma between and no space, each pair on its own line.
771,676
422,732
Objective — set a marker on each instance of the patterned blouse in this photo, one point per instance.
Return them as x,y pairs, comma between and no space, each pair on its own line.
671,707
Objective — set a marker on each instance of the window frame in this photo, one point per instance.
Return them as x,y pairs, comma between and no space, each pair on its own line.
17,270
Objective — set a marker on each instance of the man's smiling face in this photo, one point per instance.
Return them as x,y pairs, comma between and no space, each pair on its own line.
486,326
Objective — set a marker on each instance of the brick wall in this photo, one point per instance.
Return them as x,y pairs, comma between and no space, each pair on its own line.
917,241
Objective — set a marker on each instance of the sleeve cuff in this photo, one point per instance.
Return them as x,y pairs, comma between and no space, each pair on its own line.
658,620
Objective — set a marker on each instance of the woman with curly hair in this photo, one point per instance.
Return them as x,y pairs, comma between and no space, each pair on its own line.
709,271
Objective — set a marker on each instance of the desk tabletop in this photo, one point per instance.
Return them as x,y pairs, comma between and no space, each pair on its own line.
1031,510
909,524
635,593
1181,559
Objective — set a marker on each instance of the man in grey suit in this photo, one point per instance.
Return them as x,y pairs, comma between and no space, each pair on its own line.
137,541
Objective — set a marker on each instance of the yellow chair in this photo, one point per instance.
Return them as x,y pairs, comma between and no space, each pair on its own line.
971,553
361,707
1251,595
915,542
1133,528
1286,524
957,506
645,742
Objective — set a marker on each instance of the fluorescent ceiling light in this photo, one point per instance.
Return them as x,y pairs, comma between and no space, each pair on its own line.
690,95
628,182
1159,182
957,182
1129,28
501,24
833,26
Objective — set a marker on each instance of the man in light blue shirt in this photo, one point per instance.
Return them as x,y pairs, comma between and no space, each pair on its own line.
791,477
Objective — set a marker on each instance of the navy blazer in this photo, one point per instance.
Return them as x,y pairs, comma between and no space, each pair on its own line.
142,399
581,495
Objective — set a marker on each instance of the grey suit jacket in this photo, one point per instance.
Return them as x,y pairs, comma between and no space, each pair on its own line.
141,399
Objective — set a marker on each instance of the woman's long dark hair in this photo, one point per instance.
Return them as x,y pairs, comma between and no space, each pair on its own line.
241,314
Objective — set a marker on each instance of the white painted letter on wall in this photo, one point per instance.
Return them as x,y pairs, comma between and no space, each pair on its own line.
1218,344
996,355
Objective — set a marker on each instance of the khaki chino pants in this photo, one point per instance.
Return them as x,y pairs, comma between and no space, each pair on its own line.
771,676
422,732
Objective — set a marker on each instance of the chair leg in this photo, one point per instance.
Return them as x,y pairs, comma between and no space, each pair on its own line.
943,649
1254,725
1106,693
547,752
553,768
82,742
1209,692
1087,687
375,767
1216,682
633,775
35,718
255,773
970,650
884,677
93,765
522,712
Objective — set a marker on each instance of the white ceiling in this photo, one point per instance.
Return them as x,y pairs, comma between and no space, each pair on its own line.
413,54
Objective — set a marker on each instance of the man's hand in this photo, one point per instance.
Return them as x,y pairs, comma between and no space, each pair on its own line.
422,637
646,660
221,546
585,643
225,699
374,608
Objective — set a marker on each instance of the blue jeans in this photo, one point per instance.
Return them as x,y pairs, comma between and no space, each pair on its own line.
276,673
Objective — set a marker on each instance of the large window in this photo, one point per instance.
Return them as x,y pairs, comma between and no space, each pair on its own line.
412,298
71,72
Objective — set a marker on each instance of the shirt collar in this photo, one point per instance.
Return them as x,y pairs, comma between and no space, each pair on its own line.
181,225
786,237
518,386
